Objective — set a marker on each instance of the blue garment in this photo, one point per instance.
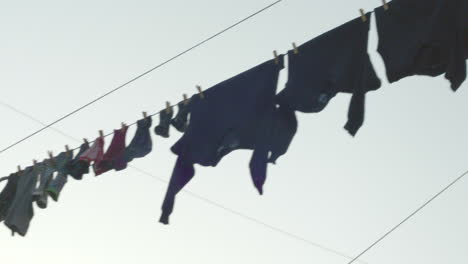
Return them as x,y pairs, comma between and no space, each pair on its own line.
423,37
7,194
57,183
337,61
21,209
141,144
165,118
238,113
180,121
77,167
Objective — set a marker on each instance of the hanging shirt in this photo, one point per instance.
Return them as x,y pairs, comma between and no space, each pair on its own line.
21,210
95,153
235,114
423,37
114,154
336,61
57,183
7,194
141,144
77,167
45,171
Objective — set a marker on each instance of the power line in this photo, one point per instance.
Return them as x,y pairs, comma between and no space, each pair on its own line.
409,217
201,198
141,75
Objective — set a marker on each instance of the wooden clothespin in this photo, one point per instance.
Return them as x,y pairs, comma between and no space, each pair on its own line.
185,99
85,141
363,15
51,157
200,92
145,115
168,107
275,53
296,51
385,5
67,150
34,163
101,133
19,168
123,125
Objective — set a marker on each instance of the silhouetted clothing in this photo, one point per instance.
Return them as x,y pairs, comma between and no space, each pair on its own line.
337,61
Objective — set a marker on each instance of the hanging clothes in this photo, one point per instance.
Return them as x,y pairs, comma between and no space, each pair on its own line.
77,167
114,154
235,114
337,61
164,123
45,171
180,121
95,153
423,37
21,210
7,194
141,144
57,183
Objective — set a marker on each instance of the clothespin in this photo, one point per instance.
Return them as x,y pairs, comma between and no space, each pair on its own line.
145,115
19,168
51,157
185,99
34,163
168,107
85,141
363,15
200,92
385,5
275,53
123,125
296,51
101,133
67,149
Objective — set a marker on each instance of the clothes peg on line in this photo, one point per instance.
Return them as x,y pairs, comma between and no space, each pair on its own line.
101,133
19,168
34,163
185,99
85,141
275,53
67,150
200,92
385,5
296,51
123,125
168,107
363,15
145,115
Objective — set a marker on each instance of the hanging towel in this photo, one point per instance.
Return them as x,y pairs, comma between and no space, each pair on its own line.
337,61
423,37
238,113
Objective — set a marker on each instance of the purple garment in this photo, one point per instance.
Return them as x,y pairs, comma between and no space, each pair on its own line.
239,113
113,158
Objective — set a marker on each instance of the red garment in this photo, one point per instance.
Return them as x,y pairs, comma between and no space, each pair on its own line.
95,152
114,153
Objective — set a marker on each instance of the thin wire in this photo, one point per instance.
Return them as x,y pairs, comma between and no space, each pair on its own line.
206,200
142,75
409,217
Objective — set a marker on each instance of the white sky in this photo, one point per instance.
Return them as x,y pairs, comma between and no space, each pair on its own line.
331,189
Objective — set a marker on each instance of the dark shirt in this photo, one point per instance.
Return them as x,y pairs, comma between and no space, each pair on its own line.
336,61
238,113
7,194
423,37
141,144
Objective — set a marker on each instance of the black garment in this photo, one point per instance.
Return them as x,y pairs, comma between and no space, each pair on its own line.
21,210
337,61
238,113
180,121
7,194
76,167
164,123
57,183
45,171
423,37
141,144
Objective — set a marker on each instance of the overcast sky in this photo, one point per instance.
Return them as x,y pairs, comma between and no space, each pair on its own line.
330,189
